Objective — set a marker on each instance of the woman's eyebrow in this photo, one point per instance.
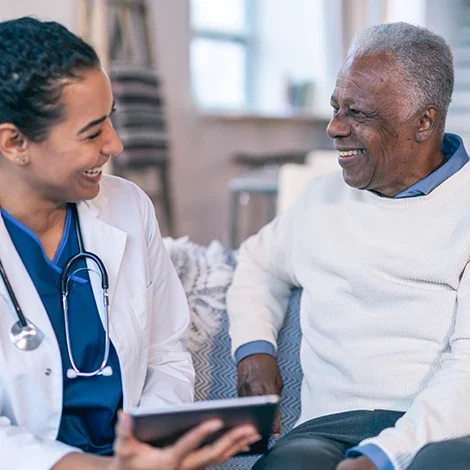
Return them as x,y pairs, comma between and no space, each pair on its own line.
95,122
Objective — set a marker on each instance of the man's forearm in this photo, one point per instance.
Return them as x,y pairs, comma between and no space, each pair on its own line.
78,461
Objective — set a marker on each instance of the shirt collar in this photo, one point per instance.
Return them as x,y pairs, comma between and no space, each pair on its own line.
454,150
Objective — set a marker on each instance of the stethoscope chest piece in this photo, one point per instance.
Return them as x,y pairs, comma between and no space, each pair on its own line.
26,338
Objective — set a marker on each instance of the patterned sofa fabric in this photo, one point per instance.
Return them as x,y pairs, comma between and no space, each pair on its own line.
206,273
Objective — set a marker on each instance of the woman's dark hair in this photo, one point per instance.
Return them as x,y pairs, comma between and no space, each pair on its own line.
37,60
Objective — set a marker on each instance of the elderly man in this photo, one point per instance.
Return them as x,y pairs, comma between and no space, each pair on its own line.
382,255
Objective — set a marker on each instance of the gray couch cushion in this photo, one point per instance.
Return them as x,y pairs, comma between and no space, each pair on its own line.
205,287
224,372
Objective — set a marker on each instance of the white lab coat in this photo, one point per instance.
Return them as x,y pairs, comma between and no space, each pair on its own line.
148,320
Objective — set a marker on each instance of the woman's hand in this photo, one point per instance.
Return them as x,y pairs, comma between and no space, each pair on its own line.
185,454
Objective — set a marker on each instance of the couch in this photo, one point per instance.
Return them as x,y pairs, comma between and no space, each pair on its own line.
205,273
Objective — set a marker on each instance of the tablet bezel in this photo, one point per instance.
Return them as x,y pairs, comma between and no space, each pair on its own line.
163,426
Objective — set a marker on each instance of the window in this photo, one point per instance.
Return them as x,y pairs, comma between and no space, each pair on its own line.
221,50
265,57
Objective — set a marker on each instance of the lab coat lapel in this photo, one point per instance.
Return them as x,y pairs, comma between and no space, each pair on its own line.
107,242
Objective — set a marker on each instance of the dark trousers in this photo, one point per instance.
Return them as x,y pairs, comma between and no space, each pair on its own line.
452,455
320,444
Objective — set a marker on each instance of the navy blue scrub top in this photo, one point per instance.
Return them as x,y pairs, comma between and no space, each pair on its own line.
90,404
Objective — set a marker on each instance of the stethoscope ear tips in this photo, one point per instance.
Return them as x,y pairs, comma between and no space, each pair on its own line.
107,371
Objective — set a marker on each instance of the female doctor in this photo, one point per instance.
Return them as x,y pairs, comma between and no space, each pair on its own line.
92,314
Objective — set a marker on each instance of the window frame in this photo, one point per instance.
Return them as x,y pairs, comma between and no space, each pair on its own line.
246,39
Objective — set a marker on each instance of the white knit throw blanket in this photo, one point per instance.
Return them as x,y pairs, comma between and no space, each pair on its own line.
205,274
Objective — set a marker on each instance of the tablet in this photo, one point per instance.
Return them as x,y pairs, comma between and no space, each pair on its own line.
163,426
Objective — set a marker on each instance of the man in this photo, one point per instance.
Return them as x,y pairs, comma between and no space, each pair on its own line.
381,253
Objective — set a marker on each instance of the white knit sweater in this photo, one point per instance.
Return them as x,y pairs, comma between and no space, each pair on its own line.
385,310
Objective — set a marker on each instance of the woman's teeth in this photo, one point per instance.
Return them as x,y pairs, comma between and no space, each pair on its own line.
351,153
93,171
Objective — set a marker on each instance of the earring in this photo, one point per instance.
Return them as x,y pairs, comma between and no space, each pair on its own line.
22,160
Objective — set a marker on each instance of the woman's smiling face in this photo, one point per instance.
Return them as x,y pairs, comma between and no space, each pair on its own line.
67,165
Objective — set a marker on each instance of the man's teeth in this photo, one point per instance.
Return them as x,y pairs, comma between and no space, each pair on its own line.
351,153
94,171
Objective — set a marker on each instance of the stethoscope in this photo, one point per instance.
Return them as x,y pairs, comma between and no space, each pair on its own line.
27,337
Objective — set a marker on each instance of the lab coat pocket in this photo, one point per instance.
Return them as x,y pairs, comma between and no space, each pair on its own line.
142,305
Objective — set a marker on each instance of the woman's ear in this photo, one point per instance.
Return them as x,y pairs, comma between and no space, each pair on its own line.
13,145
427,124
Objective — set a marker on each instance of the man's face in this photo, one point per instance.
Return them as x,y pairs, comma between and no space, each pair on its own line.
373,134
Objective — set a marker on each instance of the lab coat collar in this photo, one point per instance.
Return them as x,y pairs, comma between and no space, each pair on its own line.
94,206
104,240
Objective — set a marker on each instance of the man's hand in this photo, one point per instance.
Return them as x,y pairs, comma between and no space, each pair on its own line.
361,463
259,375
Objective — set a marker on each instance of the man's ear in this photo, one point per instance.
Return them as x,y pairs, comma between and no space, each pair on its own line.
427,124
13,145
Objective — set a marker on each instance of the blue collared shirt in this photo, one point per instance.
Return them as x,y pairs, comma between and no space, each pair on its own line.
89,407
454,150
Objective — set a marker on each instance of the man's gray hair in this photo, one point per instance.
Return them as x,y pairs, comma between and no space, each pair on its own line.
424,59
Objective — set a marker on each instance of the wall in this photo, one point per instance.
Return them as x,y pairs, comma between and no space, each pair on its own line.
410,11
63,11
216,141
201,146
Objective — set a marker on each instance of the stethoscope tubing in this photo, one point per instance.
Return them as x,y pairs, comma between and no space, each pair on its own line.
64,280
82,254
21,318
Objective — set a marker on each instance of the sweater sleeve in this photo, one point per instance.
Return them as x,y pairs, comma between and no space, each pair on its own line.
258,297
442,410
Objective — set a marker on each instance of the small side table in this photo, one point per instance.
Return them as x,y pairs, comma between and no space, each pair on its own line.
262,181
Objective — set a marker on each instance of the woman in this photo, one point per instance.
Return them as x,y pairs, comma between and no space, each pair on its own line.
62,381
